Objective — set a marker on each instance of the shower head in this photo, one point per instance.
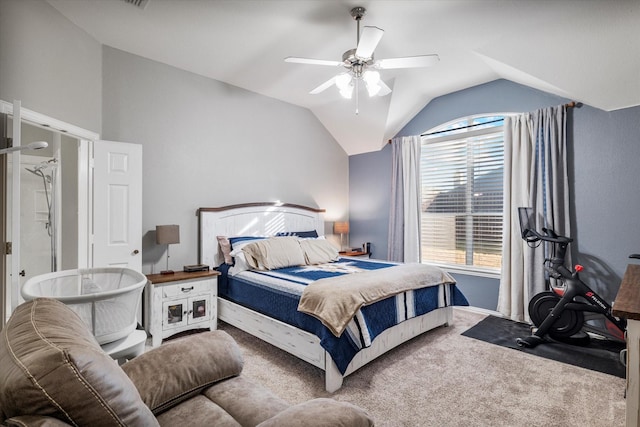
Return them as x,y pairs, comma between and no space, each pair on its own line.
36,145
38,169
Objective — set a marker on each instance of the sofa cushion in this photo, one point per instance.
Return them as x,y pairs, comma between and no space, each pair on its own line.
34,421
183,367
51,365
321,412
197,411
247,402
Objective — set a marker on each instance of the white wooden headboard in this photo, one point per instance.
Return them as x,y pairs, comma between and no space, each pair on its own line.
251,219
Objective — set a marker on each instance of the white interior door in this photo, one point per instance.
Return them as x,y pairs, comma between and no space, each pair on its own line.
117,205
15,209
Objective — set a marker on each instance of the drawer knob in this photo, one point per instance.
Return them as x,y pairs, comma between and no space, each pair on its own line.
187,289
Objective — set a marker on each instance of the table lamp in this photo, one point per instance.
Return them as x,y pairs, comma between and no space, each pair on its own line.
341,228
167,235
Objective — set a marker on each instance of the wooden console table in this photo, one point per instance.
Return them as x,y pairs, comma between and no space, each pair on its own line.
627,305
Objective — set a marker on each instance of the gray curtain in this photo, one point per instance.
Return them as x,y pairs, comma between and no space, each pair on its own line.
404,217
535,175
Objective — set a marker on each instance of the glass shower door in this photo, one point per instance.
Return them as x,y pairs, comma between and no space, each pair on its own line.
48,209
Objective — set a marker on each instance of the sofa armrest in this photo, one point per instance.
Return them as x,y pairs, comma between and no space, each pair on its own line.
181,368
34,421
320,412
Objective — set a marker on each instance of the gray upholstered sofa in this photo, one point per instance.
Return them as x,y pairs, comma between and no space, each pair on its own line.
53,373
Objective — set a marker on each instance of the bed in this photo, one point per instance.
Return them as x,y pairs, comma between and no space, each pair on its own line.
267,302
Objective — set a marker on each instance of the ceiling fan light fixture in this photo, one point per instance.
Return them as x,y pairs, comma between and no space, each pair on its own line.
372,82
344,83
347,92
343,80
371,77
373,90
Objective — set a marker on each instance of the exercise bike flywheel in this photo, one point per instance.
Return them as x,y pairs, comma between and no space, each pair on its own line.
567,324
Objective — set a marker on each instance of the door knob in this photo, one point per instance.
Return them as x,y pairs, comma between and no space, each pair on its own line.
136,252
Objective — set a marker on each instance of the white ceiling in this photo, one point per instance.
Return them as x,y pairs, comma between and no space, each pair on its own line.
584,50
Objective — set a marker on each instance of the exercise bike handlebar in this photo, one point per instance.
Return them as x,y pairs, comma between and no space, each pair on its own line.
556,263
549,236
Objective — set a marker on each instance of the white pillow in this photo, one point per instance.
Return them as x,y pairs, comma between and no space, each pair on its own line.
318,251
240,264
276,252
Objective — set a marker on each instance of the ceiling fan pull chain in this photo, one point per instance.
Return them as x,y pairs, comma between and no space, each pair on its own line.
357,97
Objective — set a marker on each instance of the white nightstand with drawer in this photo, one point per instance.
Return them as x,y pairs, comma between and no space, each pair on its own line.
179,302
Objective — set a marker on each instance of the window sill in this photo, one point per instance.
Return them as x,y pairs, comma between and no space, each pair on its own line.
490,273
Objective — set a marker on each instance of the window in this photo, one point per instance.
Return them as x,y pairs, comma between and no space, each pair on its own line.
461,165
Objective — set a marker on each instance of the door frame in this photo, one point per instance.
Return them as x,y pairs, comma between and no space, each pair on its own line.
3,224
86,138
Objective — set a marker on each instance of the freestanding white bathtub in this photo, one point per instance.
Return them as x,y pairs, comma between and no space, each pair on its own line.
105,298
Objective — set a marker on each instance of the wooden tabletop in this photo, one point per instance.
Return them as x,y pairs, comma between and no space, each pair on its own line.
180,275
627,303
352,253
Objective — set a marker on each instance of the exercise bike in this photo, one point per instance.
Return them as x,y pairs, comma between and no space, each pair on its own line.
571,311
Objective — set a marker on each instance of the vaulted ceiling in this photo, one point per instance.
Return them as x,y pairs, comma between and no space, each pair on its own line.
584,50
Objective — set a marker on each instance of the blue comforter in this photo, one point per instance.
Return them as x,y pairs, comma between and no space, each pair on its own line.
276,293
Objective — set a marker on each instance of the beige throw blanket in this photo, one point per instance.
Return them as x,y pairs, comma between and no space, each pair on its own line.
335,300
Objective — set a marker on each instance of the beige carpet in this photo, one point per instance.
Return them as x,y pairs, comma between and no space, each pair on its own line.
445,379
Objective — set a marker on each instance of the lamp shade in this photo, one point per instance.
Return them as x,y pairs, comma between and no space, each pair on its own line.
167,234
341,227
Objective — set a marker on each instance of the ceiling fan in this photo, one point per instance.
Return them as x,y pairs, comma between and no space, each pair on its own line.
360,64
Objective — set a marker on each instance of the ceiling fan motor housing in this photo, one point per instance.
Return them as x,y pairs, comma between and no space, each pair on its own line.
358,12
353,62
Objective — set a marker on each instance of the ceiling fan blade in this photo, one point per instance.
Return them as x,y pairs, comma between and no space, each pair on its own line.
324,86
408,62
384,89
310,61
369,39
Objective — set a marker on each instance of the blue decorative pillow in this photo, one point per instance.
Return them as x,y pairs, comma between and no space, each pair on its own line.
303,234
233,240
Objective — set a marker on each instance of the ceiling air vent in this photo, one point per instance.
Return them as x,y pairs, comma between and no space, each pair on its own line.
138,3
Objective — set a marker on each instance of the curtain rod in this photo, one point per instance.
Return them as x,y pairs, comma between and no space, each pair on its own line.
567,105
462,127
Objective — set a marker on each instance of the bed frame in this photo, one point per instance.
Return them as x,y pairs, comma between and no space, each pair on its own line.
261,219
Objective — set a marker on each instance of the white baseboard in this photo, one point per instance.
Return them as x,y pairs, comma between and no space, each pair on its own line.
478,310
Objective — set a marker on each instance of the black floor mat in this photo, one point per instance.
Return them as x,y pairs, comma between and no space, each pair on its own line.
599,355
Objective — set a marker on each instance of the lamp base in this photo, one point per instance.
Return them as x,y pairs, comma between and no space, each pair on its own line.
167,272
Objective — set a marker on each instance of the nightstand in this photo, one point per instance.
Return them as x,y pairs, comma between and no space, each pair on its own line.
358,253
179,302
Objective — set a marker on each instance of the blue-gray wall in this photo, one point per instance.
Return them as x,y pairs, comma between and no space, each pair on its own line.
604,148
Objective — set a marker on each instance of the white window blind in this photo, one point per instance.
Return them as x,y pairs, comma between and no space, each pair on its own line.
462,193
